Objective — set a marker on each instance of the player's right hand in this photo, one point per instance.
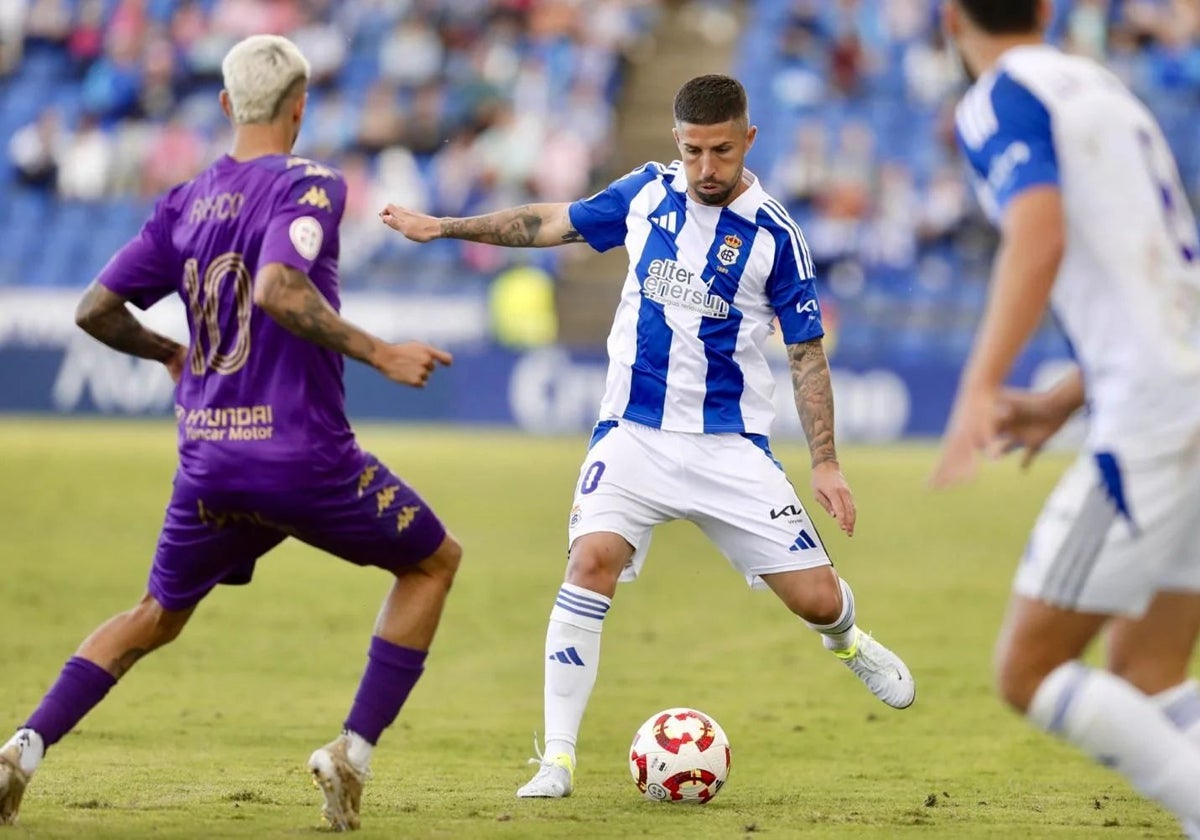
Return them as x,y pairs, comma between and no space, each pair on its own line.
1026,420
410,363
415,226
174,364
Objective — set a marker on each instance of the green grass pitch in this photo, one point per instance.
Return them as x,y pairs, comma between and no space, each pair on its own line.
209,736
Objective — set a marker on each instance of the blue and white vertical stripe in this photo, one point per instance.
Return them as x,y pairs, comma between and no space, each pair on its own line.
588,606
704,290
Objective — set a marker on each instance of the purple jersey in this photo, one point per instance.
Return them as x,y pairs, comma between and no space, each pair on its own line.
258,407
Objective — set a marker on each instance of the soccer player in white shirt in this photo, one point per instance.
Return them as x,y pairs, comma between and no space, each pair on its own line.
713,261
1094,223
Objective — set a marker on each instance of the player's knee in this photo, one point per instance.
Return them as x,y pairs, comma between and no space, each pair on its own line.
815,597
593,570
158,625
443,564
1017,678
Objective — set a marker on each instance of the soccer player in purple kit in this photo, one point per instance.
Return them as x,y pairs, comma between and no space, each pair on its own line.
265,449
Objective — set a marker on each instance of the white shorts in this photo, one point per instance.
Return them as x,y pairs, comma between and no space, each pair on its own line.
1114,533
636,477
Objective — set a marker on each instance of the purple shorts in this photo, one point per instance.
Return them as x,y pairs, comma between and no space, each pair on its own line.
213,536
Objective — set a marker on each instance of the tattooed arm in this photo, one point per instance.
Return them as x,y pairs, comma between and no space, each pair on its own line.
102,314
291,299
527,226
814,398
813,391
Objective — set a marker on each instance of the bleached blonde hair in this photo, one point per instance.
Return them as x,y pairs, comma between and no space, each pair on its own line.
259,71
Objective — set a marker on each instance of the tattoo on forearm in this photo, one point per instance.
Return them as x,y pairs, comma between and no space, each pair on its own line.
572,235
813,391
302,309
121,665
105,317
515,228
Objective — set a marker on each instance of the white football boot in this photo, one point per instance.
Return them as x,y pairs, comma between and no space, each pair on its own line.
13,779
883,672
341,782
554,779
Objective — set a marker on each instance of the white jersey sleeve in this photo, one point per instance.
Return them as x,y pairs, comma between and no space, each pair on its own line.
1127,291
790,287
1005,132
602,219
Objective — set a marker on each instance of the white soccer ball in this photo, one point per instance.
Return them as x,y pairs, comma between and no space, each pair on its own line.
679,755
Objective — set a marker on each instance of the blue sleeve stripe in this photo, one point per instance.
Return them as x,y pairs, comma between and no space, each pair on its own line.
804,263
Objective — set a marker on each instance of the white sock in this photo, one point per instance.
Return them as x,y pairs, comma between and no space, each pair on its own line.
1181,705
358,750
572,662
840,634
1122,728
32,749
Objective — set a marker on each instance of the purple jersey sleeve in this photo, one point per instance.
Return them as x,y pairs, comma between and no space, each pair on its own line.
144,271
305,222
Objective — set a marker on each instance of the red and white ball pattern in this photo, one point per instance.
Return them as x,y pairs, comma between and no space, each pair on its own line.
679,755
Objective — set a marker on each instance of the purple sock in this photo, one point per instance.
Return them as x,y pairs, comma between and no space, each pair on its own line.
81,685
391,673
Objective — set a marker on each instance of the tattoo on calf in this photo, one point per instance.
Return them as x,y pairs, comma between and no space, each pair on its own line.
813,392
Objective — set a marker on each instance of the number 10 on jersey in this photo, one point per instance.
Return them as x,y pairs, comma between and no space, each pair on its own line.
204,299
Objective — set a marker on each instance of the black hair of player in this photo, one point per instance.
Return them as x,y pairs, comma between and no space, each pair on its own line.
1003,17
709,100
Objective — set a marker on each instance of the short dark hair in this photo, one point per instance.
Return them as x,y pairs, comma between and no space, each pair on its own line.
1002,17
712,99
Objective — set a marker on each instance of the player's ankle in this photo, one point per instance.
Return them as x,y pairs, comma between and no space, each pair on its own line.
556,747
32,750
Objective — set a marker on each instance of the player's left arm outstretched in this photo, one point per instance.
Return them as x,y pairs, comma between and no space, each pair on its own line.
527,226
813,390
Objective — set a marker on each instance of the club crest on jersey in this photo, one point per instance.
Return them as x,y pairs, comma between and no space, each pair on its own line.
730,250
670,284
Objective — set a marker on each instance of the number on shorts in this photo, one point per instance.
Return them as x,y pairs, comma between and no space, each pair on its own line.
591,477
203,299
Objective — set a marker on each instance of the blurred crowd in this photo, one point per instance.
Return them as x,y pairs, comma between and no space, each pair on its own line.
860,140
461,106
855,99
448,106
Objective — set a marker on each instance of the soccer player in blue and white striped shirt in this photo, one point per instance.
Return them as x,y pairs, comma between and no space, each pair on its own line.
1095,226
714,261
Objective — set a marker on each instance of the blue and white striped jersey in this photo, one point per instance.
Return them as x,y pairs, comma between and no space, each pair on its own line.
1128,288
704,287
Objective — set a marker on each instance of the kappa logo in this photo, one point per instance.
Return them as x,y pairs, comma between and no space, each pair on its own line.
385,497
406,516
316,197
667,221
364,480
311,168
